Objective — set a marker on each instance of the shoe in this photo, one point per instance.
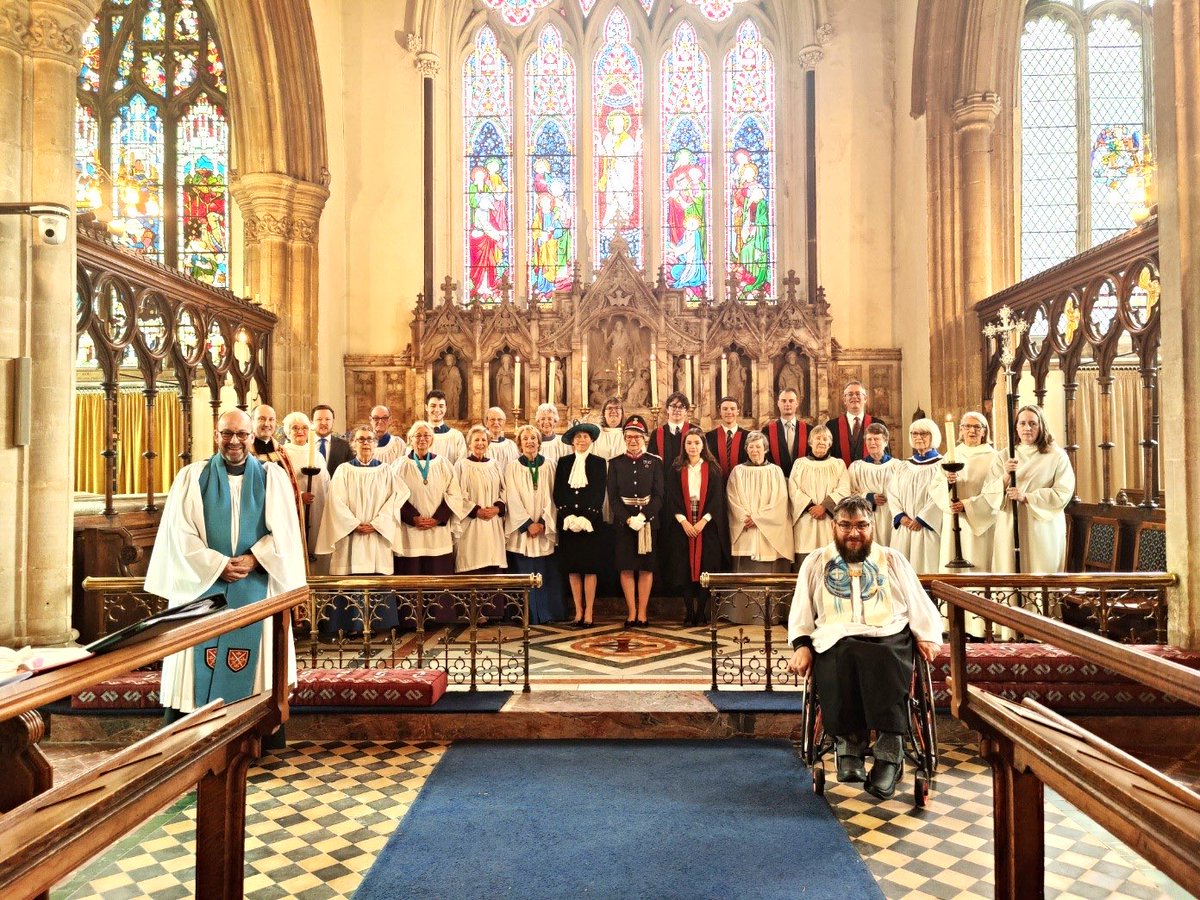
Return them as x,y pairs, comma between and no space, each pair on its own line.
578,623
884,776
631,623
850,769
586,624
642,623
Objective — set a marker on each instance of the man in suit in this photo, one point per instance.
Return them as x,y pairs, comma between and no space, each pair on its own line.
335,449
666,440
850,430
727,442
787,436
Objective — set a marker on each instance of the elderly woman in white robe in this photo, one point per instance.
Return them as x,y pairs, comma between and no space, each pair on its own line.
1045,485
871,477
530,524
916,517
818,481
980,488
546,419
760,526
359,530
301,453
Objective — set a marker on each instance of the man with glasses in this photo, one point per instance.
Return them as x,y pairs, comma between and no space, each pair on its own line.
388,447
856,613
666,440
849,430
228,528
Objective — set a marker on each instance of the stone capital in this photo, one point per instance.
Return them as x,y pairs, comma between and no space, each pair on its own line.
277,205
14,24
976,112
56,29
428,64
811,55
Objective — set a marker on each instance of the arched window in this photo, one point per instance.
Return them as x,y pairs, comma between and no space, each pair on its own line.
1086,118
650,122
151,135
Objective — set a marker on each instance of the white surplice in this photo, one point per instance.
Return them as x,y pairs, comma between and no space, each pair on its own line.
821,482
874,480
450,445
298,454
528,503
426,497
362,495
479,543
503,452
391,451
912,494
981,489
183,567
761,493
1049,482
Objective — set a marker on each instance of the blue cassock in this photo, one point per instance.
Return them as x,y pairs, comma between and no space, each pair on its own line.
225,666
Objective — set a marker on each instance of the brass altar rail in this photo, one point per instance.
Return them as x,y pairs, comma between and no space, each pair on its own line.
46,832
1028,747
1105,601
330,631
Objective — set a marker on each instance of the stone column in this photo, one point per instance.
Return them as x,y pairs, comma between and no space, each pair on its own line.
281,215
955,331
1176,87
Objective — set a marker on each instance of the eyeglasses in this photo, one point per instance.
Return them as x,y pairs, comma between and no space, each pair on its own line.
860,527
228,436
676,406
364,440
975,426
380,418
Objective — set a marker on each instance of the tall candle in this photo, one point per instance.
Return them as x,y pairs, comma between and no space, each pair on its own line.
654,376
312,449
724,375
584,398
550,385
690,384
949,437
517,384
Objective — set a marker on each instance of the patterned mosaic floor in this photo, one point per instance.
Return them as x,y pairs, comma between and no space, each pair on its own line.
319,812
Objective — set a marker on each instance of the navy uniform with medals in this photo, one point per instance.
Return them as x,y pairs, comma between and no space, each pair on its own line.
635,486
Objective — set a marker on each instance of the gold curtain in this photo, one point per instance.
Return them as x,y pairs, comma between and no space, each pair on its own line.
1128,430
90,431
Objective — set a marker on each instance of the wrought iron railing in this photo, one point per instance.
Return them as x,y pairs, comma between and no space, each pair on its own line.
475,628
1130,608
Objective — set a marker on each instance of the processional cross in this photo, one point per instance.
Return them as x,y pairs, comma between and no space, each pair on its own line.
1008,332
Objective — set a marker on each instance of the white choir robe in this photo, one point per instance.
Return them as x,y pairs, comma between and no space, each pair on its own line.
362,495
390,452
479,543
815,481
761,493
1049,482
872,480
912,494
503,452
298,454
608,447
981,490
552,448
451,445
524,503
183,568
426,498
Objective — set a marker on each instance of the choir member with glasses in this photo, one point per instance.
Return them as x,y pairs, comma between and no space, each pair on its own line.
916,516
871,477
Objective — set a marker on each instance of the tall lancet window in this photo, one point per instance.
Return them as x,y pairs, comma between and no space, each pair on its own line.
550,143
750,164
617,128
1085,125
152,133
687,166
488,128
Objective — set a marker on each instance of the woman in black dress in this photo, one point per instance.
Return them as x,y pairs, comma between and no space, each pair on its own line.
579,489
695,524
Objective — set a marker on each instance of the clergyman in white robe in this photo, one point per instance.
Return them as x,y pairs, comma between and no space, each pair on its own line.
183,568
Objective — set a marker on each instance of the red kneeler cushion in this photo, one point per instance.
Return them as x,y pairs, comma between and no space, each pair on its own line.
317,687
1006,663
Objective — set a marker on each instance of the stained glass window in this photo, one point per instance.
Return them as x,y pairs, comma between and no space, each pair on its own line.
750,164
587,5
687,167
1071,197
151,130
488,124
517,12
550,139
717,10
617,133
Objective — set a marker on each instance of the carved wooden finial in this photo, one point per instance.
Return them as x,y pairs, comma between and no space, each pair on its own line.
790,283
449,287
505,286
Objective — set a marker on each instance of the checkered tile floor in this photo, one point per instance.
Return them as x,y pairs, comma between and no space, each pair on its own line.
319,812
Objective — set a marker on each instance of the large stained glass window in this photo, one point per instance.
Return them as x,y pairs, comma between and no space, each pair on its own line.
152,136
617,129
687,166
1084,144
517,12
750,164
488,128
550,142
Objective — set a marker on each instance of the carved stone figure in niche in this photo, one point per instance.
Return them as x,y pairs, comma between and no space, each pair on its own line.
624,344
364,395
638,394
682,382
448,379
737,378
556,389
502,383
791,375
395,396
600,389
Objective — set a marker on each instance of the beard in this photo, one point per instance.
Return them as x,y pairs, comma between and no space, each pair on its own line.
853,554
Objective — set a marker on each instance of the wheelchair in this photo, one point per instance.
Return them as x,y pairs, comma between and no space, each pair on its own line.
920,741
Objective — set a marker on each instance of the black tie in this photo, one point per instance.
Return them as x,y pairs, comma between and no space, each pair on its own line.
856,431
728,445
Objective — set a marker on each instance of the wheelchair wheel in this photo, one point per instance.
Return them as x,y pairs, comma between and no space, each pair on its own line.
927,720
920,788
818,779
809,725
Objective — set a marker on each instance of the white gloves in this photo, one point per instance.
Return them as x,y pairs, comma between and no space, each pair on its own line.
577,524
584,524
637,523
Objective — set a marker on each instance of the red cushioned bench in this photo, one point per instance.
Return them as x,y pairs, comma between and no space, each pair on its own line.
317,688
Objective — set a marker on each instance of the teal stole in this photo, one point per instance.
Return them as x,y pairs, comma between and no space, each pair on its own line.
225,666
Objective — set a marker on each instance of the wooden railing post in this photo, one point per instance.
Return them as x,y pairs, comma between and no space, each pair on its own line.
221,824
1018,804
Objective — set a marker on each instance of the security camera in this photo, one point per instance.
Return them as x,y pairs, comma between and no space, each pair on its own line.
51,222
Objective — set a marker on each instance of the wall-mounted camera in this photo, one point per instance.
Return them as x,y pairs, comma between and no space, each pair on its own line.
52,219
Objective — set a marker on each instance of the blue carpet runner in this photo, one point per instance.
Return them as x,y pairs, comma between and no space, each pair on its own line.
789,701
617,819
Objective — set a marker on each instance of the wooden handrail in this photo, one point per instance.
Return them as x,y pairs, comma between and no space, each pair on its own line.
359,582
50,686
1161,674
1059,580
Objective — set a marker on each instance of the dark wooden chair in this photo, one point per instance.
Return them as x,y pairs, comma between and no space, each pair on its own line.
1100,554
1150,547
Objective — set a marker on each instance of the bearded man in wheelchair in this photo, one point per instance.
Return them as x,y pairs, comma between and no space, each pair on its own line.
856,613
